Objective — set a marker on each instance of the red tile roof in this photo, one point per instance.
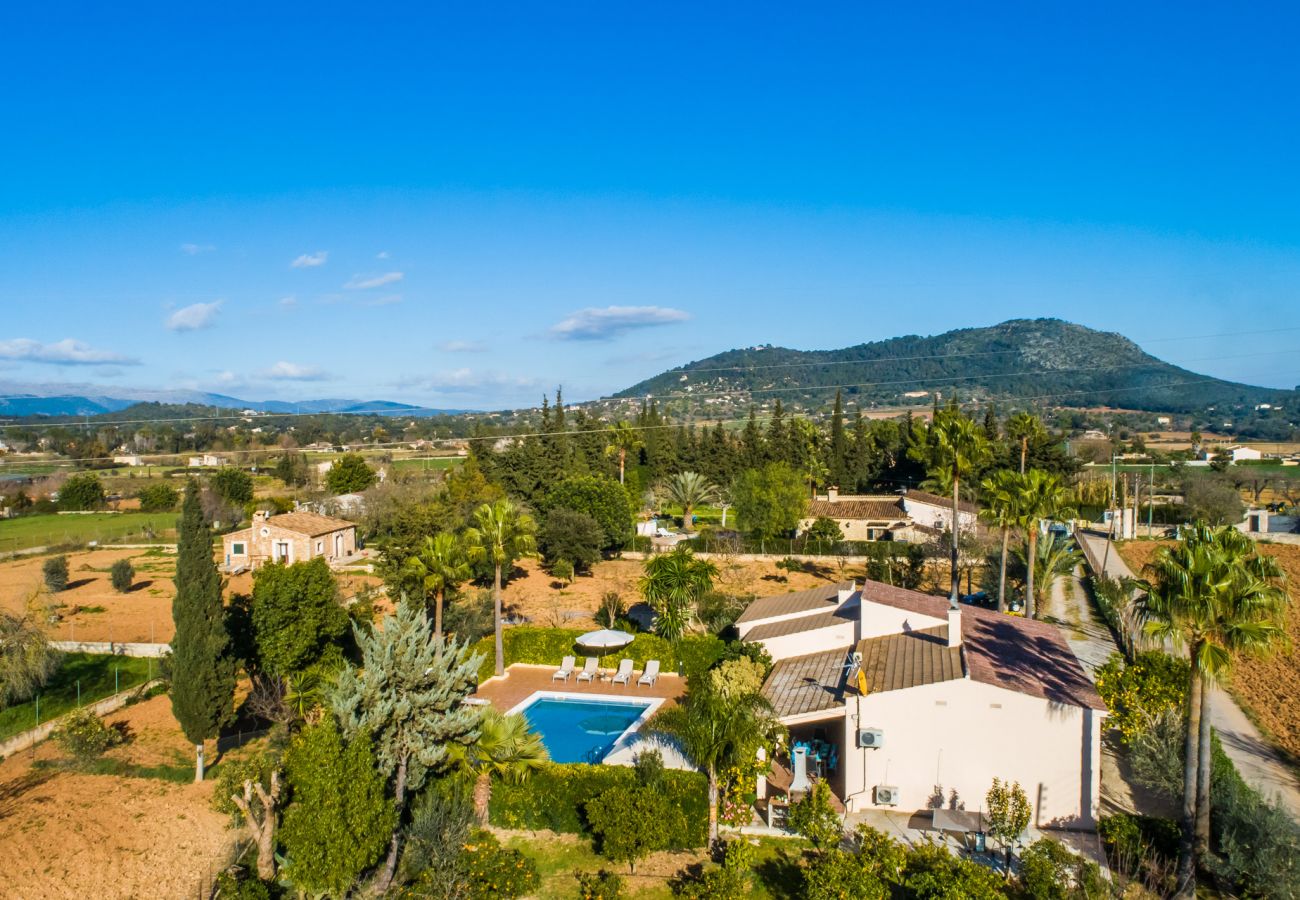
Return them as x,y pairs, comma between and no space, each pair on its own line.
874,509
936,500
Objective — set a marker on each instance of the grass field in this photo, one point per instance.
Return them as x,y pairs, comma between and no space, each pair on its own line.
98,675
51,530
430,463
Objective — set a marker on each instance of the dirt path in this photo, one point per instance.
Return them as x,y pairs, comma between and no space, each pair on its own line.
1259,763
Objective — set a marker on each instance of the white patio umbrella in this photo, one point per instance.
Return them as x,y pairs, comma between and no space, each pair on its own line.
605,639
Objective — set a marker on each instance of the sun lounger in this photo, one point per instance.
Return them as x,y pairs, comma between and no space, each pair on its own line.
588,672
650,674
564,671
624,674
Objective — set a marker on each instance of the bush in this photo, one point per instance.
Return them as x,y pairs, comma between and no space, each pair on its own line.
601,498
81,492
233,485
563,570
1048,871
496,872
85,736
1137,693
158,498
122,575
814,818
55,571
549,646
573,536
554,798
600,885
234,887
729,881
349,474
1258,843
631,822
1141,848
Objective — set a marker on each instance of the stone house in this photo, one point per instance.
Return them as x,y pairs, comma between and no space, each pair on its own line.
912,516
288,538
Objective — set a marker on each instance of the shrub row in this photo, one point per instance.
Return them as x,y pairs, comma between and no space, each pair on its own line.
549,646
554,796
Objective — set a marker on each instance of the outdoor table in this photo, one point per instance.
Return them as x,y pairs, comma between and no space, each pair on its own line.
966,824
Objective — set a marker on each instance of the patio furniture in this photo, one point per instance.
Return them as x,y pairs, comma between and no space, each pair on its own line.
564,671
651,673
588,672
968,827
624,674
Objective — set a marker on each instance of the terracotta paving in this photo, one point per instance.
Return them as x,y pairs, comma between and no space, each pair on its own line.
521,680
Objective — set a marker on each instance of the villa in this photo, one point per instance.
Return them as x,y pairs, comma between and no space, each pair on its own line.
907,699
288,538
912,516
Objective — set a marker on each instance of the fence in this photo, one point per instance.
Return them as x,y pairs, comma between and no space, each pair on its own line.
781,547
10,744
69,692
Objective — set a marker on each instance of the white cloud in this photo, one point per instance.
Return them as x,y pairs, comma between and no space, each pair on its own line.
288,302
287,371
67,352
310,260
366,282
196,249
608,322
382,254
462,346
194,316
468,381
388,300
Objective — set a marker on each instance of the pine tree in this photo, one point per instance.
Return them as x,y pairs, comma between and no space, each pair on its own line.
751,443
778,446
838,451
203,667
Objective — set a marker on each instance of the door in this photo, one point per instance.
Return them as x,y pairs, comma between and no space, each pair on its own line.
338,546
281,552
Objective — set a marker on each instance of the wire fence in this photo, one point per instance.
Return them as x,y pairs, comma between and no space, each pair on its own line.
56,536
97,681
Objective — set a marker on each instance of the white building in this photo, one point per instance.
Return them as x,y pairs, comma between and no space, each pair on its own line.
907,696
914,516
208,461
1238,453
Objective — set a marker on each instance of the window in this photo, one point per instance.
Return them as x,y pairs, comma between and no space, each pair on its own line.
320,546
237,548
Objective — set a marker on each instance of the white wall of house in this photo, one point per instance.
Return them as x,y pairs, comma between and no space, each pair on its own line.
842,634
933,515
961,734
877,620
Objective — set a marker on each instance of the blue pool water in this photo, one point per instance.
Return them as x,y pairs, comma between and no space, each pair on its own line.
581,730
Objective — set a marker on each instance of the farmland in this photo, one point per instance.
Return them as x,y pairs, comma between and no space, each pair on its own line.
53,530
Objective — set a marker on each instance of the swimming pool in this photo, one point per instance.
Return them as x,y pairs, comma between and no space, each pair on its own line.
583,727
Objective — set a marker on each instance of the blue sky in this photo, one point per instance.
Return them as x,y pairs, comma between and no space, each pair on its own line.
464,206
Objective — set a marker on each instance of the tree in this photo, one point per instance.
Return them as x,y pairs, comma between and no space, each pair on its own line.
633,822
250,790
297,618
571,536
506,749
203,668
122,575
407,694
233,485
339,821
868,872
81,492
442,564
718,732
769,501
55,572
501,535
813,817
1002,509
602,499
349,474
673,584
1211,499
1214,594
954,449
1008,814
1050,871
1042,496
161,497
826,530
689,490
623,439
1054,558
1022,428
26,658
291,468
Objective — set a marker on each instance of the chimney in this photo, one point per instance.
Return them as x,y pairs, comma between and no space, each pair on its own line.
832,492
260,516
954,627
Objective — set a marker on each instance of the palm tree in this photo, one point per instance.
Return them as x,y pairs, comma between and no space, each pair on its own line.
623,439
502,534
717,732
1053,558
505,749
442,564
673,584
1215,595
1002,510
689,490
1024,427
955,448
1042,496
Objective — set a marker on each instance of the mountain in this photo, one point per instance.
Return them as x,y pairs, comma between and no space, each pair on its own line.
1035,361
19,400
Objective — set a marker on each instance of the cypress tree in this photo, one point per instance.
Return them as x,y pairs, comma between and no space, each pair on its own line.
203,667
751,443
837,464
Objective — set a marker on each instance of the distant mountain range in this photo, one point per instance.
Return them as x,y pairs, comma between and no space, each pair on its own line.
21,400
1036,361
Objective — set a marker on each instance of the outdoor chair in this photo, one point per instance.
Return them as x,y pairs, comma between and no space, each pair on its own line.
650,674
624,673
588,672
564,671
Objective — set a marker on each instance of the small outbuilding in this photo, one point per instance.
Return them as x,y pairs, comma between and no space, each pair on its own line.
289,538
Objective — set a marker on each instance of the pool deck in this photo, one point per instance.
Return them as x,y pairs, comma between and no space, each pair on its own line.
522,680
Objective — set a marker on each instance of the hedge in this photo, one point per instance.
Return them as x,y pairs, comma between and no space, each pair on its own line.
549,646
553,798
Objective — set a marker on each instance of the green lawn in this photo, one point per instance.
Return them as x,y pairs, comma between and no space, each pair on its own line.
559,857
93,671
49,530
431,463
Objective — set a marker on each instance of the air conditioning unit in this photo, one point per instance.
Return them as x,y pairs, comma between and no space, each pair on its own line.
886,795
871,738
